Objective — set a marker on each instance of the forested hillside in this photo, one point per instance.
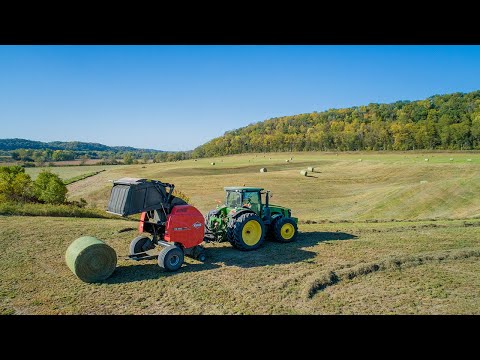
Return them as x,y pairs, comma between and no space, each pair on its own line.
14,144
440,122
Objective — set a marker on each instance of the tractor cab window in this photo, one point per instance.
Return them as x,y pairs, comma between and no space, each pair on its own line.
252,201
234,199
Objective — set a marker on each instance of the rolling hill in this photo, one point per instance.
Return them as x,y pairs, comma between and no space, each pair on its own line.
14,144
444,122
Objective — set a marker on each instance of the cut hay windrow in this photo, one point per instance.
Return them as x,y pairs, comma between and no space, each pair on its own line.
322,281
91,259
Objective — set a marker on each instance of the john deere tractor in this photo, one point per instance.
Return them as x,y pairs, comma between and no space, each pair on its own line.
247,219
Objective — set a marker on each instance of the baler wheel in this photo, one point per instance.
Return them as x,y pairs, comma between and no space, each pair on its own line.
171,258
202,256
141,244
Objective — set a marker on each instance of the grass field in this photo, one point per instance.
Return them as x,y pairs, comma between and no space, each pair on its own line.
276,279
390,234
381,187
68,172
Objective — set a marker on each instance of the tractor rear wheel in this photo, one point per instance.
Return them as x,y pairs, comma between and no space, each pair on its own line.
141,244
285,230
171,258
248,232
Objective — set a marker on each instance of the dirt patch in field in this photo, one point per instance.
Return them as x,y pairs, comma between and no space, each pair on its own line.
90,181
77,162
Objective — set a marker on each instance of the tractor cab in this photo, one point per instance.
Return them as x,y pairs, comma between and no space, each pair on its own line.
246,197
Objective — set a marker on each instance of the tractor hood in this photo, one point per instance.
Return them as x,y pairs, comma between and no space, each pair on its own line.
282,208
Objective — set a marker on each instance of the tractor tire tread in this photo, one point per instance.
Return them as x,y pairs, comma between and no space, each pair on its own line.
236,232
277,226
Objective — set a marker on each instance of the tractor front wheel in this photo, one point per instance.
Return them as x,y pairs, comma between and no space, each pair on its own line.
141,244
171,258
285,230
248,232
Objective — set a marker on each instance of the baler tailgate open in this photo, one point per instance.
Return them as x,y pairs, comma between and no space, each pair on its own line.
132,196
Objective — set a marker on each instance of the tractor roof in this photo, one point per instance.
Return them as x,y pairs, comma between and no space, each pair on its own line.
242,188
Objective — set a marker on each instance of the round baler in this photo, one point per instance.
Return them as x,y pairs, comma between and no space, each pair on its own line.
170,229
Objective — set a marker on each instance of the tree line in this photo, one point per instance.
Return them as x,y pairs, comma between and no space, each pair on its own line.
449,121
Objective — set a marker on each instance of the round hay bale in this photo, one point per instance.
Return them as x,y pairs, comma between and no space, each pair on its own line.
263,170
426,159
212,163
360,160
311,168
291,158
304,172
451,159
469,159
91,259
287,160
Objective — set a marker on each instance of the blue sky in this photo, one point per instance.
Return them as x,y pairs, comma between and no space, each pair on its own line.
178,97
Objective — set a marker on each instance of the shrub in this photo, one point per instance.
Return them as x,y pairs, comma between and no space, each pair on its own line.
49,188
15,184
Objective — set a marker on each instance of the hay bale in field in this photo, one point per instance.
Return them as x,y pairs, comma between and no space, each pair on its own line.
195,160
451,159
91,259
423,181
426,159
360,160
304,172
212,163
287,160
263,170
311,168
291,158
469,159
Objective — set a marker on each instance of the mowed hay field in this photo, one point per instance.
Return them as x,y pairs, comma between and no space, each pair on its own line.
425,267
390,234
399,186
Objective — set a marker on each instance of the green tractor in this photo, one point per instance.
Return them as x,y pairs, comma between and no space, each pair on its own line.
245,220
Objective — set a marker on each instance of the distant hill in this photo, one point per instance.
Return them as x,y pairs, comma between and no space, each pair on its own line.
449,121
14,144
